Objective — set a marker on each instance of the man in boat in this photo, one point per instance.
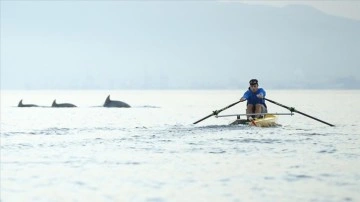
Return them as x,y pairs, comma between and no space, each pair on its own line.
255,100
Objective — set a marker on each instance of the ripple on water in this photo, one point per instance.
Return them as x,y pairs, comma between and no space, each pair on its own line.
296,177
327,151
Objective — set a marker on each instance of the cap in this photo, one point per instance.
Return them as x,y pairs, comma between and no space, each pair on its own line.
253,81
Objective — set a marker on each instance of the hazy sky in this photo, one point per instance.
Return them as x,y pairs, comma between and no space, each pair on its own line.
171,45
343,8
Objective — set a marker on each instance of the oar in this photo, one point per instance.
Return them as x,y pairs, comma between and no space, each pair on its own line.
292,109
216,112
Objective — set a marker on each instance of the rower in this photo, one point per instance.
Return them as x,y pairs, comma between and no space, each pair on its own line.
255,97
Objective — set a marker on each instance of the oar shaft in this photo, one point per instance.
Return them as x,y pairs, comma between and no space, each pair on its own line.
294,110
281,105
217,112
203,119
314,118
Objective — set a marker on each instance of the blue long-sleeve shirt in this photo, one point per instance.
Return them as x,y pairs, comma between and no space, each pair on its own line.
253,99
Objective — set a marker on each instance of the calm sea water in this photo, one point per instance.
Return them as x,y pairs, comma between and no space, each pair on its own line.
153,152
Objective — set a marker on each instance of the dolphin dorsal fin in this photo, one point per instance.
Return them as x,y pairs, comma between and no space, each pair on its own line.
107,99
20,103
54,103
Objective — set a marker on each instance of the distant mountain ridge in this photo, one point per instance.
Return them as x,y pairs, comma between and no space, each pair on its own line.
295,47
289,47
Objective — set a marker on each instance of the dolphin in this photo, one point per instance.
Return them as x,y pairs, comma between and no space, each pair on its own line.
26,105
54,104
114,103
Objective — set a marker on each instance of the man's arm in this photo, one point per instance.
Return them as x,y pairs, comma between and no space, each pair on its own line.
245,96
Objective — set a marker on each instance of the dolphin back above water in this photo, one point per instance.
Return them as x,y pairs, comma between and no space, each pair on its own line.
54,104
26,105
115,103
